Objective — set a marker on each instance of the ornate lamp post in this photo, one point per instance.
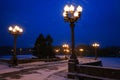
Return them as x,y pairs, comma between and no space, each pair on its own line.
71,15
95,45
66,49
15,31
81,51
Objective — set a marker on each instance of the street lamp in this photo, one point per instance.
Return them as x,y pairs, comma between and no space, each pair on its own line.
66,49
65,46
20,50
95,45
71,15
15,31
81,51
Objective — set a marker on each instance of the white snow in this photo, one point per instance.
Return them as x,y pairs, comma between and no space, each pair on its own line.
42,74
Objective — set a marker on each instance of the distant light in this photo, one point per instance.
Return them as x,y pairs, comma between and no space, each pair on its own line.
95,45
81,50
65,46
57,50
15,30
67,50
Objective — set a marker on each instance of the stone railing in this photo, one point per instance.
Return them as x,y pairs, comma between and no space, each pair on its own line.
92,71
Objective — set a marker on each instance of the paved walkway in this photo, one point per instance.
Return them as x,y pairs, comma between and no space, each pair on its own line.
38,70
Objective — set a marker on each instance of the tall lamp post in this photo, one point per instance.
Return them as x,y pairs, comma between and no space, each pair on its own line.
95,45
15,31
71,15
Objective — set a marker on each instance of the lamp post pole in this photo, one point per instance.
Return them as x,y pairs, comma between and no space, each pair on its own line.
72,25
95,45
15,31
71,15
14,58
73,55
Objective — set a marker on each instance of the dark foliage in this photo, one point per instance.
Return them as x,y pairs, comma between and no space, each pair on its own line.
49,46
5,50
43,47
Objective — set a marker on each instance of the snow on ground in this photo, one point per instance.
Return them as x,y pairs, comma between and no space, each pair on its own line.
43,75
86,60
4,68
38,70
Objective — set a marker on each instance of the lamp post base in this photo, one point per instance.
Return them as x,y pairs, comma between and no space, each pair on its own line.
72,63
14,61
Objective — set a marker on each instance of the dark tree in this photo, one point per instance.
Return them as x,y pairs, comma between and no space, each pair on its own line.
43,47
40,47
50,51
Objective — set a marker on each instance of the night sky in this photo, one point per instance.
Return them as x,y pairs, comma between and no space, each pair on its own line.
99,22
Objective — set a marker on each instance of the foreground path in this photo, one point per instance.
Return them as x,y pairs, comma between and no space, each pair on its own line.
37,72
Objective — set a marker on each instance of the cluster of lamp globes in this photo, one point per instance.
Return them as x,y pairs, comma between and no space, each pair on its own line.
15,30
69,11
95,45
65,46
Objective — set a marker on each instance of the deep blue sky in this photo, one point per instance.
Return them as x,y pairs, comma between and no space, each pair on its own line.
100,21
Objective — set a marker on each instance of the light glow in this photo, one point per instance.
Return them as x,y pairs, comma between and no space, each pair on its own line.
57,50
76,14
10,28
66,8
17,28
14,30
72,8
65,46
21,30
79,9
81,50
95,45
64,14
